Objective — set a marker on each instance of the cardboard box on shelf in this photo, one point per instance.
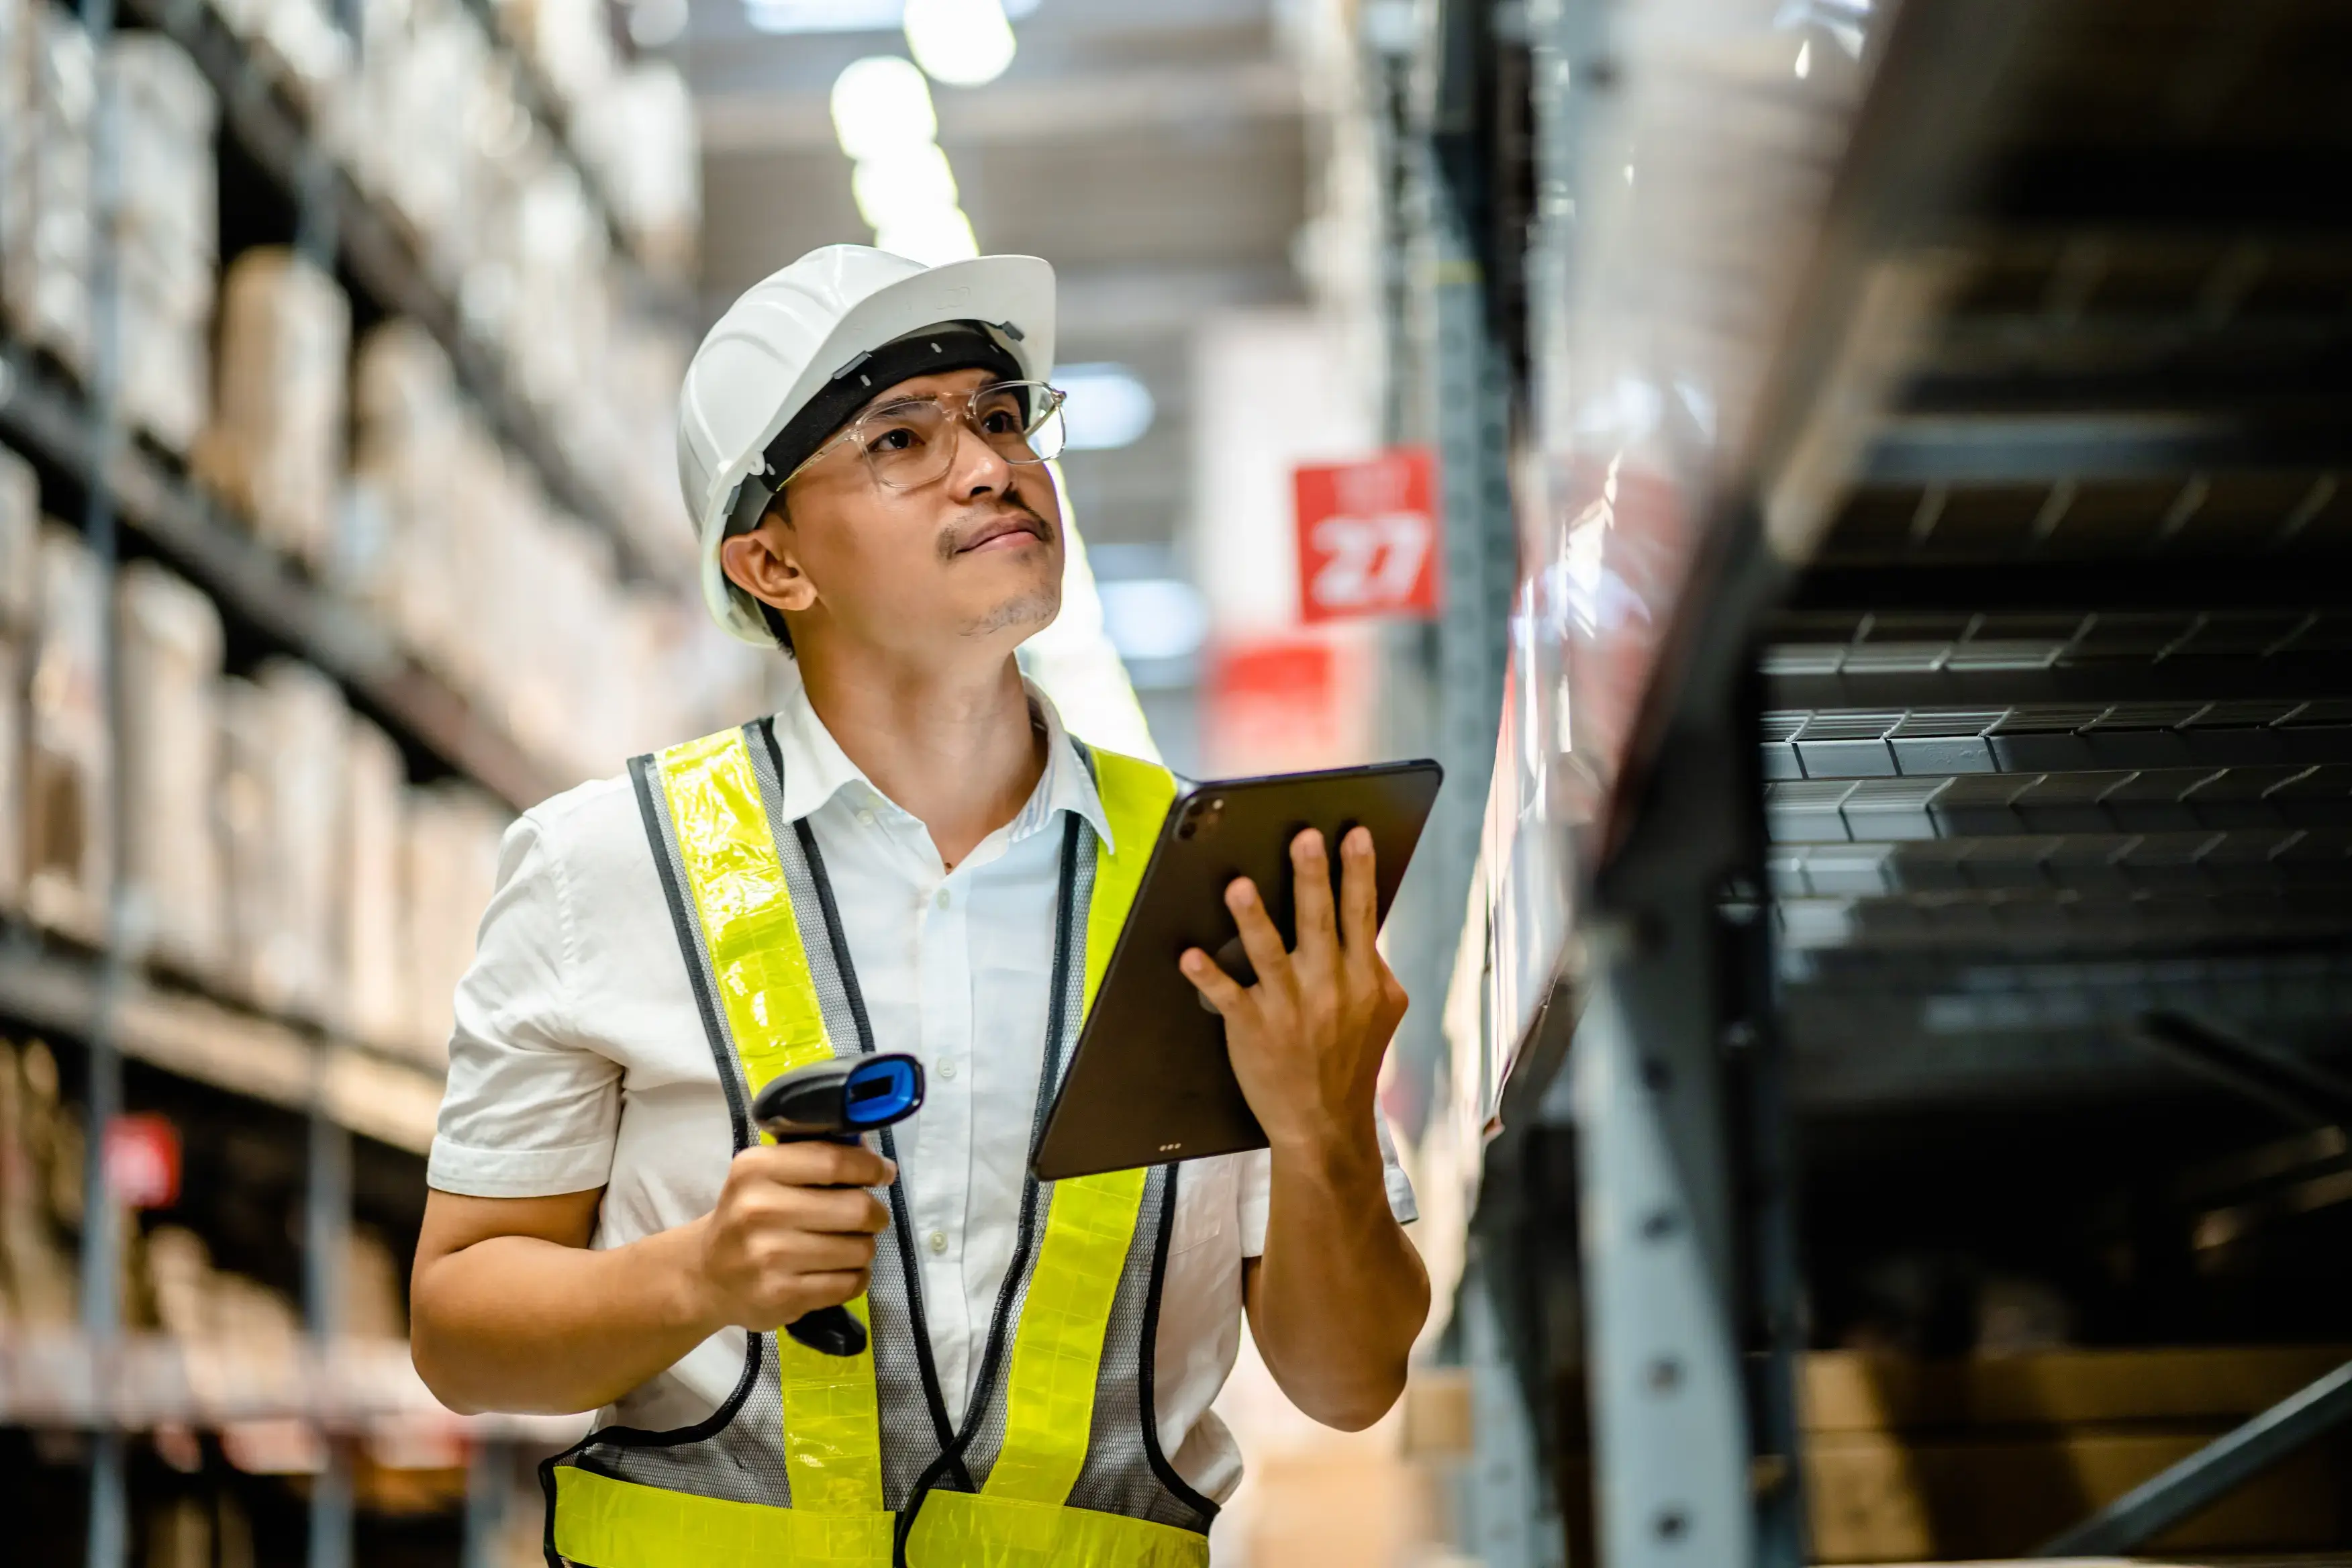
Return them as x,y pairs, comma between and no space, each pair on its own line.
275,450
38,1276
453,860
69,848
282,800
166,228
639,135
12,774
374,966
20,535
171,661
1915,1461
45,273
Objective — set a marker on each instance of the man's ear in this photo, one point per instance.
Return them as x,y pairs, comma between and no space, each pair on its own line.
765,564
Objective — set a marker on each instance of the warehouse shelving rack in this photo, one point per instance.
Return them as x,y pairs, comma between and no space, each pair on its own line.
290,1072
1951,402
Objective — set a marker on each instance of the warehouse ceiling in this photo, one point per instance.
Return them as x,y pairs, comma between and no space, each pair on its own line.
1156,155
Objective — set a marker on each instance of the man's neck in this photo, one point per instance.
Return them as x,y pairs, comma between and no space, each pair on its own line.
953,747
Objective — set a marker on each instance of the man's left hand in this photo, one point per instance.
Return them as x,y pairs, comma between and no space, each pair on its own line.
1308,1038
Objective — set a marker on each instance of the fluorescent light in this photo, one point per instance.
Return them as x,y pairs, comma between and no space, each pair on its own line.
1108,407
882,105
941,233
843,16
961,42
1153,617
904,186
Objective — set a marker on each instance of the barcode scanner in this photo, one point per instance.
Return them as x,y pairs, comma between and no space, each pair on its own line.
839,1102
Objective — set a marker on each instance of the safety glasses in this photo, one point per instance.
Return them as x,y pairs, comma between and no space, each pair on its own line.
910,441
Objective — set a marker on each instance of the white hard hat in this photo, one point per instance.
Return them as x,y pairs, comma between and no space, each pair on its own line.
796,332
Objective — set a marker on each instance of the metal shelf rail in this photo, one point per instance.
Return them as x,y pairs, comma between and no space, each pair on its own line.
1941,424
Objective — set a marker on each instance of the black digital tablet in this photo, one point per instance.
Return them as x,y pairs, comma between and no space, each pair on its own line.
1149,1081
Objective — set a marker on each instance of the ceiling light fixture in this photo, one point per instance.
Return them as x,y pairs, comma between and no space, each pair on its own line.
881,106
963,43
1110,406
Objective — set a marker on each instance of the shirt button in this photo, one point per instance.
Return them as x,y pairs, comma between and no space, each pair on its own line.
947,1070
938,1240
940,898
864,819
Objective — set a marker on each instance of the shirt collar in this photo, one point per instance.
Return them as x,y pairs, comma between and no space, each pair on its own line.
816,769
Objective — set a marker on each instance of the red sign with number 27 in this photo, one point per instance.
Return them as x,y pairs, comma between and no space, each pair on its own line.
1367,537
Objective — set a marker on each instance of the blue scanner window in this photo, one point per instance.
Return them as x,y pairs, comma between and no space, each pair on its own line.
879,1093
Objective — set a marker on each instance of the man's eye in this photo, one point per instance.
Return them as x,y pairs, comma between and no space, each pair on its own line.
896,440
1000,422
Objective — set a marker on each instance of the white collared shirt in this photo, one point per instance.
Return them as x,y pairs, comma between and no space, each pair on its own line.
579,1061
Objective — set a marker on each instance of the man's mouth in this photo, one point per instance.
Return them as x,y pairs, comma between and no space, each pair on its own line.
1005,525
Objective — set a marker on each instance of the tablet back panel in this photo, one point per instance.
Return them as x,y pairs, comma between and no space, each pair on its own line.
1150,1082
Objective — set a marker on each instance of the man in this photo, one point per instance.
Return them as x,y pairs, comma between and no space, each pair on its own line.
911,855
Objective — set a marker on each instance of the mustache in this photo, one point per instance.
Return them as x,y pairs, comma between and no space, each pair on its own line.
954,537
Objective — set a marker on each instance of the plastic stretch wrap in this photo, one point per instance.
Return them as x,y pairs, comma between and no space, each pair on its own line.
170,654
69,845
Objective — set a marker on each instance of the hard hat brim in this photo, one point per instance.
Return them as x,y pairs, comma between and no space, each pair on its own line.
1015,292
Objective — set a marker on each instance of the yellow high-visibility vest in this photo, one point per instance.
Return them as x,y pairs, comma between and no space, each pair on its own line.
815,1460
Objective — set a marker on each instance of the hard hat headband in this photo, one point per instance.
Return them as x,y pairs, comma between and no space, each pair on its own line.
935,351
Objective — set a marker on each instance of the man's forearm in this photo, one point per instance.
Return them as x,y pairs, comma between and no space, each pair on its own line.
519,1323
1341,1294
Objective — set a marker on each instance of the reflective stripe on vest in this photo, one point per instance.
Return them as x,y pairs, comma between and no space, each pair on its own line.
833,1433
759,969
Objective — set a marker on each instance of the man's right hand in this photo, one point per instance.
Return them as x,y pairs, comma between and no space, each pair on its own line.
793,1231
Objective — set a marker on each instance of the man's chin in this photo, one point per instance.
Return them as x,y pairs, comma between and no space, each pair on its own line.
1028,612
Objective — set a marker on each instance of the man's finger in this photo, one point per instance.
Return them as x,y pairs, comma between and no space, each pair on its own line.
1259,939
1360,901
818,1163
1318,928
1222,992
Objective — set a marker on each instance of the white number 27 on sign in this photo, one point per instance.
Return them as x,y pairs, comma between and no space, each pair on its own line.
1368,560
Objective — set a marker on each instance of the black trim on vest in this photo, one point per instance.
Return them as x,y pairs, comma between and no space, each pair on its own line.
901,1223
1066,900
1146,1366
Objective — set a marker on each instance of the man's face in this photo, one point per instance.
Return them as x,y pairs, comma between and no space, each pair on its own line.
972,557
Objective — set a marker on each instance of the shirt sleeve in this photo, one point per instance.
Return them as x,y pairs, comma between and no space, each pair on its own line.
1257,1188
530,1110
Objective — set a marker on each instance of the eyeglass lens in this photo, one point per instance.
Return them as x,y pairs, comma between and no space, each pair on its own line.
911,442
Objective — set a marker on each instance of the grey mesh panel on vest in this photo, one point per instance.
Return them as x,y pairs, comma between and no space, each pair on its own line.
908,1439
742,1462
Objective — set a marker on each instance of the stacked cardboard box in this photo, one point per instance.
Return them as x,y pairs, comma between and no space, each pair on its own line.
170,640
69,848
167,238
45,270
285,742
274,450
20,525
